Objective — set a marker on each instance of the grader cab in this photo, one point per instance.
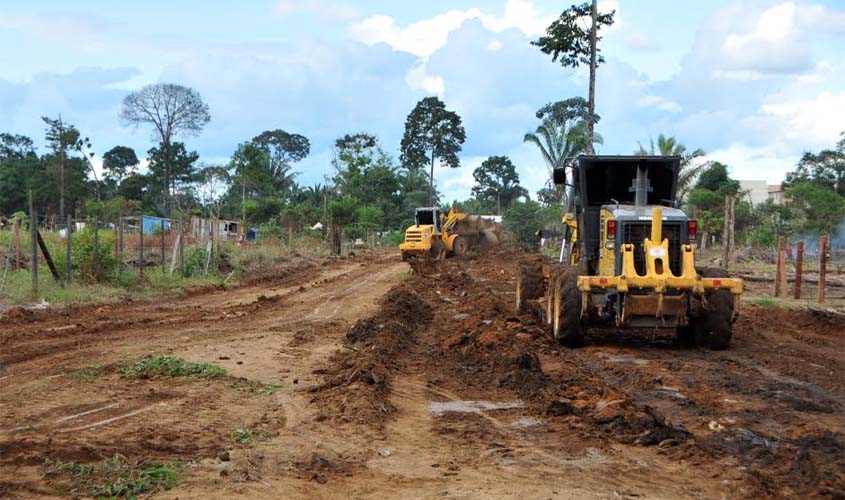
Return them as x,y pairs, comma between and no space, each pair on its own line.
628,259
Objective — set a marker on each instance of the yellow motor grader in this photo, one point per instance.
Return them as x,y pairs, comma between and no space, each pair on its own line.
628,258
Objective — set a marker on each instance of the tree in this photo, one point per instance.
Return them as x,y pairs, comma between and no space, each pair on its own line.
562,135
178,168
820,208
432,132
669,146
118,162
14,146
60,138
825,168
572,44
523,219
172,110
283,149
707,199
497,181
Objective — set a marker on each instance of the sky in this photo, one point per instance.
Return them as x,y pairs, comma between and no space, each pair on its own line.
755,83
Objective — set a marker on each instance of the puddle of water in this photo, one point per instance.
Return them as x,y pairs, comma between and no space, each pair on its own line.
439,408
525,422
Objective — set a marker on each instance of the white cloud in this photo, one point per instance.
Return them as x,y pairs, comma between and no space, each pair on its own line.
434,85
755,163
494,45
639,40
338,11
424,37
817,120
661,103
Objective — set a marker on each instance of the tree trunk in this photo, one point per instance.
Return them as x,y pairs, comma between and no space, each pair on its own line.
167,177
431,179
592,96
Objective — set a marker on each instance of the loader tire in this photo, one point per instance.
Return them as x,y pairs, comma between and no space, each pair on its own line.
529,283
567,325
713,327
437,250
459,246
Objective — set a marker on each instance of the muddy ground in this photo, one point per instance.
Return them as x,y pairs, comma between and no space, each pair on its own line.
357,381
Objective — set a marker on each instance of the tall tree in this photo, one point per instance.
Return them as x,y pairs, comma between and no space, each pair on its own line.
572,43
826,168
432,133
179,169
669,146
172,110
497,182
283,150
118,162
61,137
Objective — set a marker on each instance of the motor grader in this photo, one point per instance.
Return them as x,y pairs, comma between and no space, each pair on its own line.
627,259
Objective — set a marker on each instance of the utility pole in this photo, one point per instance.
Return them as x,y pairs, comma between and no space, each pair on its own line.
61,168
592,96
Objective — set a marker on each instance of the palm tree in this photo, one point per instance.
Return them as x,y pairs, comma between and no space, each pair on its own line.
669,146
559,144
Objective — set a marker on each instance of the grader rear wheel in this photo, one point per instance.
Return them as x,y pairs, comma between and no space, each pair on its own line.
566,317
529,283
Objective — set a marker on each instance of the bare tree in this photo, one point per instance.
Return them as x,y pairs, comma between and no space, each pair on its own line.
172,110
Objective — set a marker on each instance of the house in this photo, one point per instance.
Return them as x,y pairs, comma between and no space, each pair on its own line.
756,192
775,193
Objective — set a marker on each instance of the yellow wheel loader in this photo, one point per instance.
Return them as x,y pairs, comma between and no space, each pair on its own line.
435,235
628,258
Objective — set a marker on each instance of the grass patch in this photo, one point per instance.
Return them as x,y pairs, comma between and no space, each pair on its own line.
171,366
770,302
407,276
253,387
117,477
89,372
248,436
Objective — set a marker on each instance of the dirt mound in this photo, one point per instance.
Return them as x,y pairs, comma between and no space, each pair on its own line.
357,386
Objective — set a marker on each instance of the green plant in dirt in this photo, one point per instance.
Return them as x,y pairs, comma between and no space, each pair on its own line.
195,261
89,372
170,366
116,477
769,302
247,436
82,256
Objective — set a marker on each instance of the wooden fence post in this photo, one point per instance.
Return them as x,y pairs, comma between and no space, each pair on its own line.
822,267
181,247
799,267
162,246
33,232
95,265
18,223
120,241
141,246
780,272
69,254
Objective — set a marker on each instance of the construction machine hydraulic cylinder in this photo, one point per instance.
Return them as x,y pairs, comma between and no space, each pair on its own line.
657,225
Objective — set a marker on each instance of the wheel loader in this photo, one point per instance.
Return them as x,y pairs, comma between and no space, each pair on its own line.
627,259
435,235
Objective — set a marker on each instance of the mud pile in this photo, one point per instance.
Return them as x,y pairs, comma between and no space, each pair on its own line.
481,234
357,387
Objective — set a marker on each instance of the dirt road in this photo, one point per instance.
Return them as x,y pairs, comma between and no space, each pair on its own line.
346,380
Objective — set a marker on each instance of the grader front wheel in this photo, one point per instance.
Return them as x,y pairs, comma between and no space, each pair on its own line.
529,283
566,316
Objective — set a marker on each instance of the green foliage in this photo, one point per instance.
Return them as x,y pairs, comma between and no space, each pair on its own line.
248,436
170,367
117,477
497,182
343,210
523,219
707,198
432,132
568,38
819,207
82,255
118,162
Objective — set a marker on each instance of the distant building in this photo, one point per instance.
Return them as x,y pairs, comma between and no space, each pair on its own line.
775,193
756,192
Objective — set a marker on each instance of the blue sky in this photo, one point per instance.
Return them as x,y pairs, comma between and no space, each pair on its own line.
753,82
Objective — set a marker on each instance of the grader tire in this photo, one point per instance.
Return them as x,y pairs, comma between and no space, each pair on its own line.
567,325
529,283
713,328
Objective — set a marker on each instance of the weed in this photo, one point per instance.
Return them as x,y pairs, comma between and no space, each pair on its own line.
248,436
117,477
770,302
89,372
170,366
253,387
407,276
